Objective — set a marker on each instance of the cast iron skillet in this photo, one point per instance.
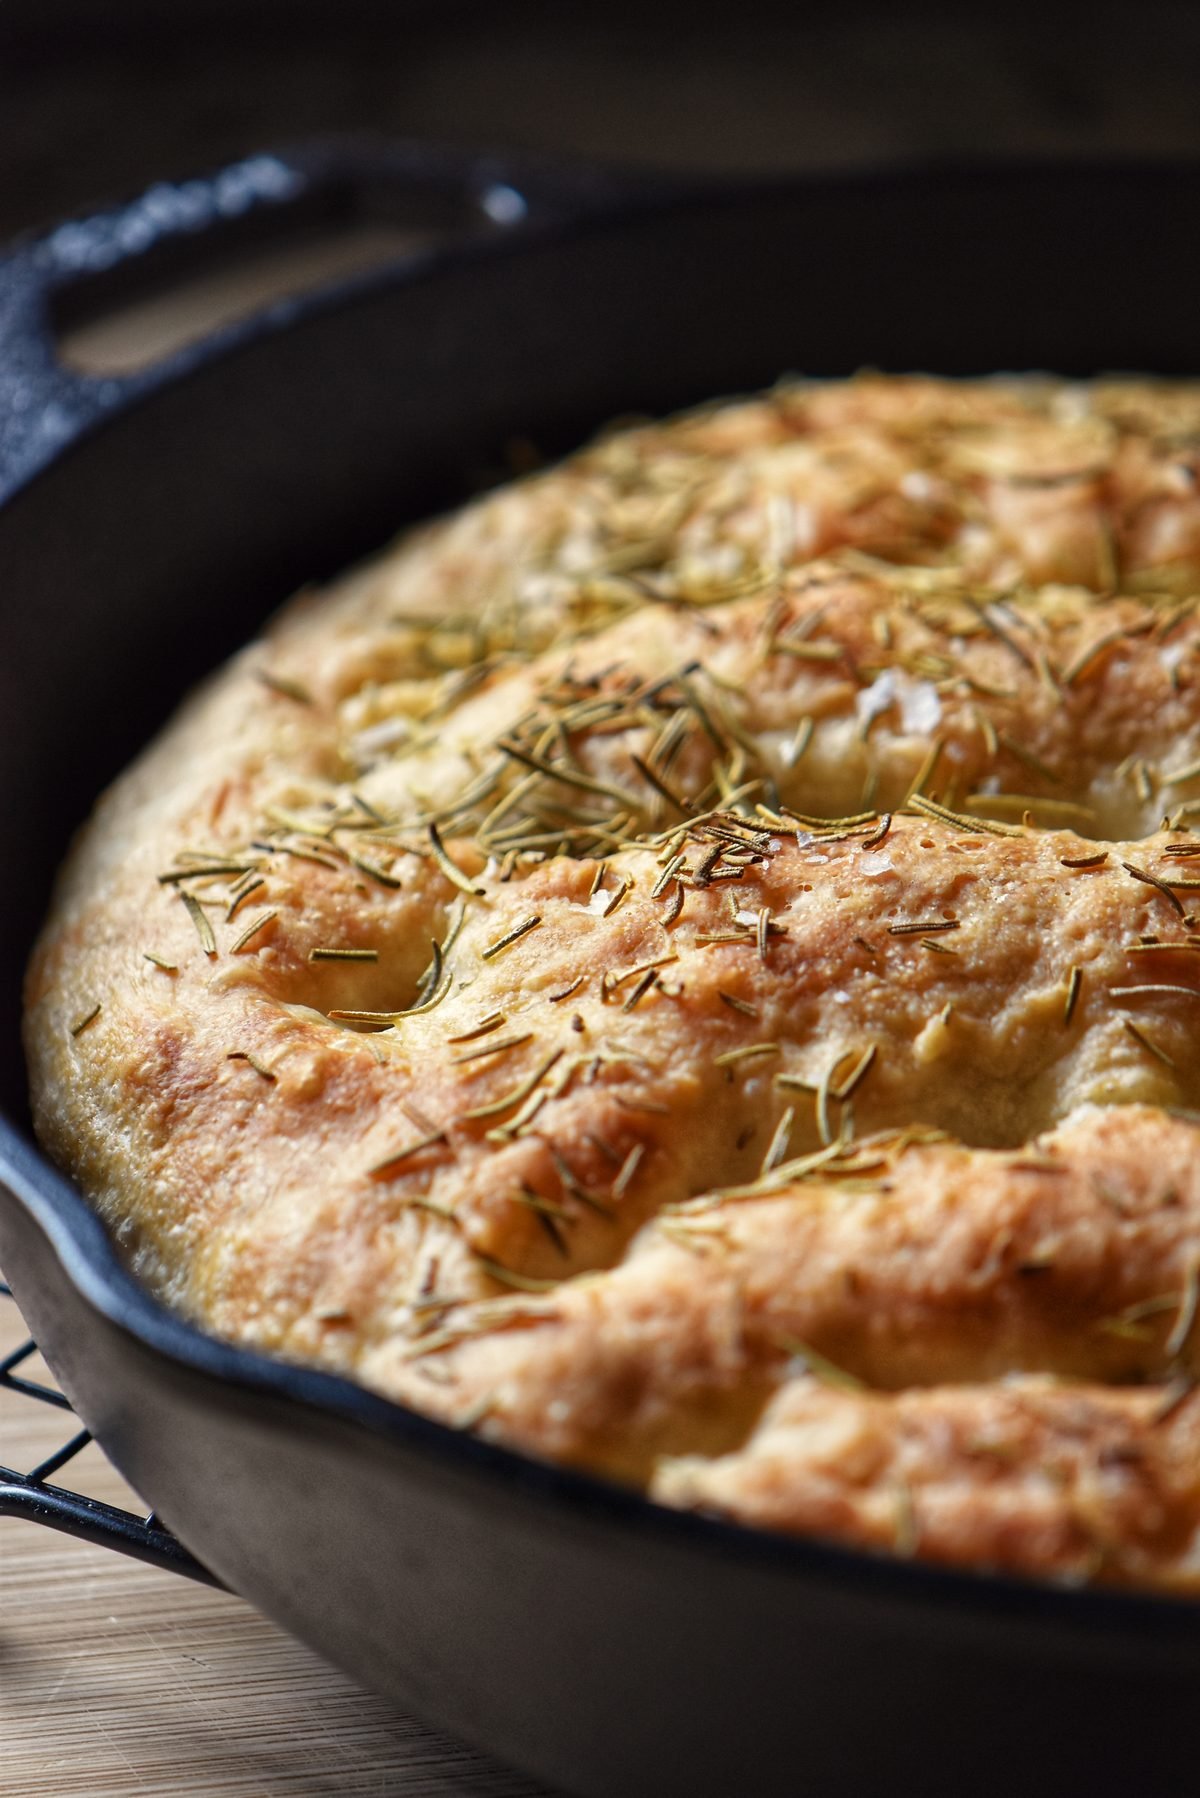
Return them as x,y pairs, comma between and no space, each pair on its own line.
147,525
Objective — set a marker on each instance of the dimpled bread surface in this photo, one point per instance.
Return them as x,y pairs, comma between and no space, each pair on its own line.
690,968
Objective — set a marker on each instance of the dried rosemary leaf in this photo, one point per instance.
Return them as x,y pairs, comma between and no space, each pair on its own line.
648,979
241,892
1151,1047
800,742
805,651
511,937
1084,861
199,917
614,899
925,928
819,1365
856,1076
289,689
1152,880
519,1092
616,981
1088,657
501,1046
778,1147
252,930
203,870
413,1148
748,1052
1180,775
492,1022
1189,1303
885,825
569,777
507,1276
1074,983
88,1017
1137,992
629,1168
667,876
660,786
674,906
374,871
925,771
1027,758
453,873
927,808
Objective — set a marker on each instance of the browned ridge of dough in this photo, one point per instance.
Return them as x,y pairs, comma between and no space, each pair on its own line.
691,968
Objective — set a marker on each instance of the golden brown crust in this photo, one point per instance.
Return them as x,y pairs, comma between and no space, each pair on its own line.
689,968
1022,1476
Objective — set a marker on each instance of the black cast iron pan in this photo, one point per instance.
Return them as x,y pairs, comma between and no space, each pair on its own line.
147,525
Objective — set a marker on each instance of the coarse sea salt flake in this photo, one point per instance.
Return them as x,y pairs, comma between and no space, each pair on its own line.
920,707
876,698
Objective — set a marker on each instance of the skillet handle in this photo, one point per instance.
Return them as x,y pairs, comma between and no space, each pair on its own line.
461,199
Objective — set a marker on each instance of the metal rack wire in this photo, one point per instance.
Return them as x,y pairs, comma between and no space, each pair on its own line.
31,1495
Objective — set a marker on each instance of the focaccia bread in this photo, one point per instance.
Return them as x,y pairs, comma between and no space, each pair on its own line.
690,968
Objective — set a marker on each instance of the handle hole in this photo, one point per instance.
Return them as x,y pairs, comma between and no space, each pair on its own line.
124,319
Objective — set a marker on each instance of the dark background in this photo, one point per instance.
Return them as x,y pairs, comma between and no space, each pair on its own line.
98,98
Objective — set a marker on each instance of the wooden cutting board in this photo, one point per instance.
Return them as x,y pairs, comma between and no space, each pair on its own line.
118,1681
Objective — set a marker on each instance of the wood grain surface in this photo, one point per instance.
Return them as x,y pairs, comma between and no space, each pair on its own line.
118,1681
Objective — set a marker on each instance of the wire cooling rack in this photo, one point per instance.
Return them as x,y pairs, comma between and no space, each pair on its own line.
33,1495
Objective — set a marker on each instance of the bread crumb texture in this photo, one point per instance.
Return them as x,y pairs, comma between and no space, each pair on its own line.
690,968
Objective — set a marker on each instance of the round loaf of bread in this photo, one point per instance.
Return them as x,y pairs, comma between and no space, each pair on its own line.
690,968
